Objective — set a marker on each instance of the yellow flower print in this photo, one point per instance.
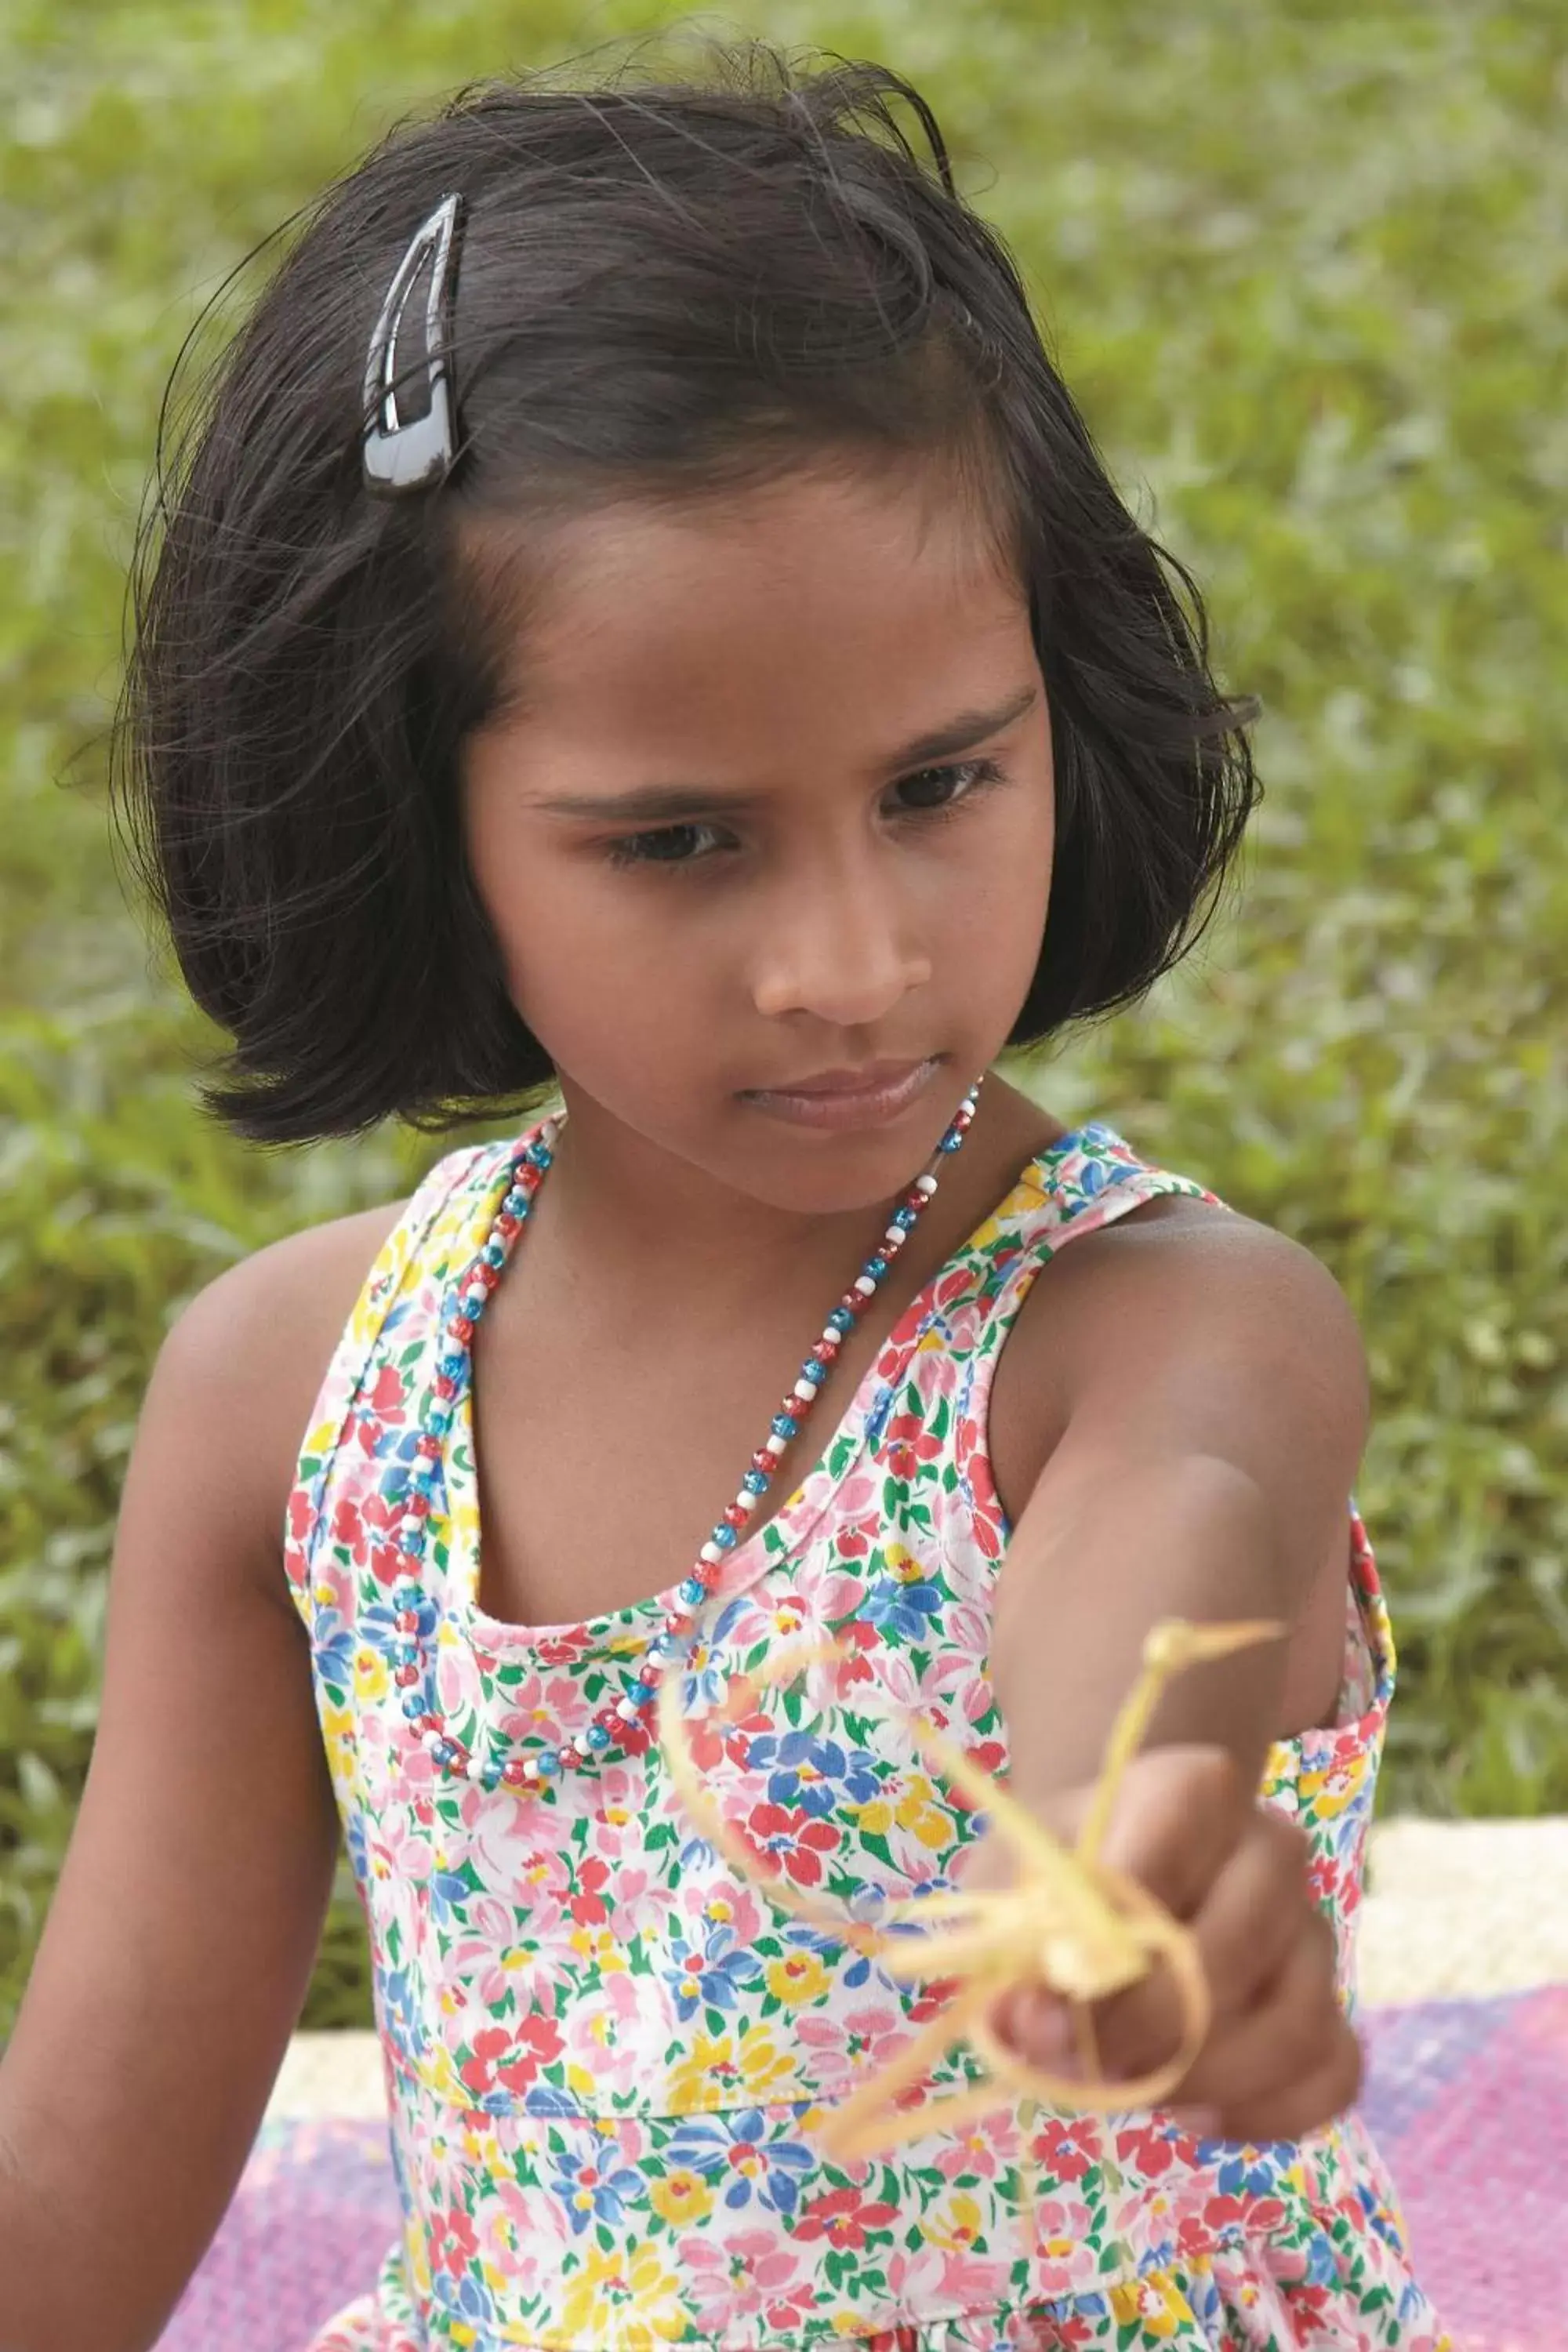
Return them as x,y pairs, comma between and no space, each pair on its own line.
918,1809
680,2198
1335,1787
797,1979
371,1677
902,1565
708,2066
626,2297
955,2226
600,1949
1156,2301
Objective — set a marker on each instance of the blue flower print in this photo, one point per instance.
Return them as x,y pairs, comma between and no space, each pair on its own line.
334,1643
449,1890
1249,2172
806,1769
596,2186
906,1610
711,1979
716,2145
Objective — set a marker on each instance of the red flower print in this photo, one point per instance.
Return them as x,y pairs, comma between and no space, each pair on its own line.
1147,2149
908,1444
560,1649
542,2037
452,2241
843,2218
795,1839
588,1906
348,1528
478,2071
388,1398
712,1741
1068,2149
301,1513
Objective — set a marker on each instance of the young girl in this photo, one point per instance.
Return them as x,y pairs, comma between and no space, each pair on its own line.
644,628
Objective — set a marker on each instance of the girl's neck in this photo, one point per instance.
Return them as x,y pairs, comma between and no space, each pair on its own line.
655,1229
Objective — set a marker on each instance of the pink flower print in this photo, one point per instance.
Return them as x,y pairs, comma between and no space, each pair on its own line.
943,2278
988,2145
509,2228
746,2277
533,1709
721,1902
853,1538
599,2039
1061,2226
859,2040
395,1853
540,1884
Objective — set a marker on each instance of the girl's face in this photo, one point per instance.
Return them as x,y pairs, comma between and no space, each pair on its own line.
778,804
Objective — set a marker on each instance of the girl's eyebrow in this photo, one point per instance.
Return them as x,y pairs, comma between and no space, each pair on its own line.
677,802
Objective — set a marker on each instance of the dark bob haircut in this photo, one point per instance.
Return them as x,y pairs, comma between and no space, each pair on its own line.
666,290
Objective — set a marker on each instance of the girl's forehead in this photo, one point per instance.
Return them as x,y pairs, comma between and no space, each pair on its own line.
854,584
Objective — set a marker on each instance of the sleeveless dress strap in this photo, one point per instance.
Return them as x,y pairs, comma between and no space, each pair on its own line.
400,1259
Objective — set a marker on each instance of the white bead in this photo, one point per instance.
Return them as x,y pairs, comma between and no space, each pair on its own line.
627,1710
775,1443
431,1741
832,1331
583,1744
474,1769
548,1133
895,1237
865,1284
926,1184
409,1527
746,1501
806,1390
711,1552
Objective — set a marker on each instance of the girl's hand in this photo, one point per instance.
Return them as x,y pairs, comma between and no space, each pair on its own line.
1280,2059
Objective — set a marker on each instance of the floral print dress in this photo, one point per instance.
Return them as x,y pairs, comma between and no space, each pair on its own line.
604,2052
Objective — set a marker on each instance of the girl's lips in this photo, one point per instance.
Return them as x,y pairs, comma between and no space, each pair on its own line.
865,1105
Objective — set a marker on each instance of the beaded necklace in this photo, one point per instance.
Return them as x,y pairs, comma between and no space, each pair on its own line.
414,1616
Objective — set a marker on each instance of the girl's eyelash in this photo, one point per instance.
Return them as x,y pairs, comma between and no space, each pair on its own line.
630,850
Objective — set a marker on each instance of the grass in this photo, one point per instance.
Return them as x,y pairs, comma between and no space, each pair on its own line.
1300,265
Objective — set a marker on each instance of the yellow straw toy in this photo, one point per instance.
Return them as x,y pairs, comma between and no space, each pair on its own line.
1070,1923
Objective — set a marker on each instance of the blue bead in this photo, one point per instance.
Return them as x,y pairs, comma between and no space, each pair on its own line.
904,1217
815,1370
548,1762
405,1653
412,1704
723,1536
494,1253
784,1425
439,1417
692,1592
640,1693
876,1267
445,1751
598,1736
490,1777
756,1481
950,1141
452,1365
841,1319
406,1594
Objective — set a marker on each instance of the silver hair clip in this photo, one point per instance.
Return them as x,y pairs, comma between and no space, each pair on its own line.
408,454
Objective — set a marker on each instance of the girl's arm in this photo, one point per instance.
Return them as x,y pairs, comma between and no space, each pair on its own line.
1215,1410
1212,1425
179,1944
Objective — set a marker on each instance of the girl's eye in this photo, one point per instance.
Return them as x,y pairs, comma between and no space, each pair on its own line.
668,845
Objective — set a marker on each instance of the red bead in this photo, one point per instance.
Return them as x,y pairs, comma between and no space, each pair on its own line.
852,1302
763,1460
734,1516
916,1199
514,1772
430,1446
824,1350
406,1621
404,1676
418,1505
461,1328
445,1385
709,1574
430,1723
568,1757
506,1226
649,1672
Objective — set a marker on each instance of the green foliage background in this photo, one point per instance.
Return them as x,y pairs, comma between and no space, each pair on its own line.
1303,265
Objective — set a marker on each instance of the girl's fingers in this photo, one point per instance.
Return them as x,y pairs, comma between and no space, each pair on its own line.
1300,2108
1255,1914
1292,2038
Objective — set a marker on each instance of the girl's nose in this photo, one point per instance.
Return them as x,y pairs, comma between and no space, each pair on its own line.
838,948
